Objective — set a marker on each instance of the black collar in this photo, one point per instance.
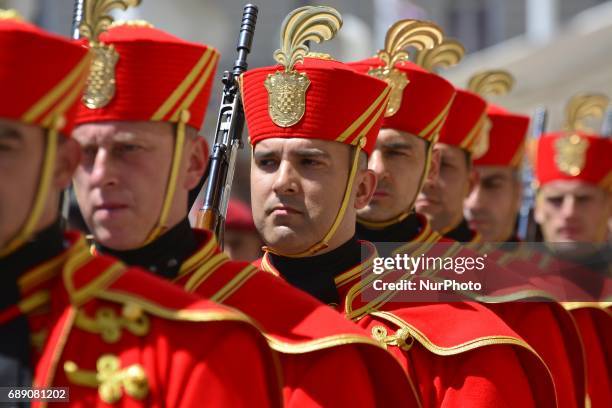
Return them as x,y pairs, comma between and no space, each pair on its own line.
15,364
400,233
165,255
315,274
461,233
45,245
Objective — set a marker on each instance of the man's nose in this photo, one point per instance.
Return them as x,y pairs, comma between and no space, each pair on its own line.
286,181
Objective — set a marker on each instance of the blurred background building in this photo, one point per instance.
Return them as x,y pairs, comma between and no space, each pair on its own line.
554,48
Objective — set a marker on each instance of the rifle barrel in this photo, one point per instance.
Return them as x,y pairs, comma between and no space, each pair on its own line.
77,18
245,38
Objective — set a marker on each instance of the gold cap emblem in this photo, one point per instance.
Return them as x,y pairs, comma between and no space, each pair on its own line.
570,154
287,88
405,33
570,150
101,82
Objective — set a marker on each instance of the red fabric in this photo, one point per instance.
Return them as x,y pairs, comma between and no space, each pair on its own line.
490,376
455,359
458,353
551,332
342,371
464,120
597,165
506,138
187,363
151,66
336,98
485,375
32,63
424,99
239,216
595,327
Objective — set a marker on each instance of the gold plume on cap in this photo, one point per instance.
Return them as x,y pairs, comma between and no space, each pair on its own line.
101,82
10,14
287,89
309,23
96,18
492,82
583,106
408,33
131,23
447,54
418,34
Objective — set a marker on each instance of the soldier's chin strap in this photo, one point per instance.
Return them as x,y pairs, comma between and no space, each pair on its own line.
179,144
404,214
44,183
324,243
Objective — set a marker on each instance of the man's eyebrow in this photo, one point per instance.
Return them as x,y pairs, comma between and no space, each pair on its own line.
124,137
264,154
311,152
397,145
302,153
10,133
494,177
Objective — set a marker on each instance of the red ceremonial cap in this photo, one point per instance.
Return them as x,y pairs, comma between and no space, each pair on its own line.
41,74
425,100
312,96
239,216
506,138
157,76
577,153
465,121
574,155
338,104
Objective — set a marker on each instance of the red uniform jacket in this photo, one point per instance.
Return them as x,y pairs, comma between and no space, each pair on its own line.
533,312
325,360
459,353
594,322
589,319
117,336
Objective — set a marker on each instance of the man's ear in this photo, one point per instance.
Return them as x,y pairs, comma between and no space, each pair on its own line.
538,214
473,179
364,188
518,192
434,166
67,160
197,160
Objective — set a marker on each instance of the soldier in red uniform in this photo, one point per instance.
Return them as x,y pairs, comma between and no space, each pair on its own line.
441,198
142,155
389,218
573,205
308,179
110,334
493,205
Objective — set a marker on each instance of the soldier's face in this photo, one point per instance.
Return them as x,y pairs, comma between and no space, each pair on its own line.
297,187
492,206
121,181
21,152
398,162
573,211
442,198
